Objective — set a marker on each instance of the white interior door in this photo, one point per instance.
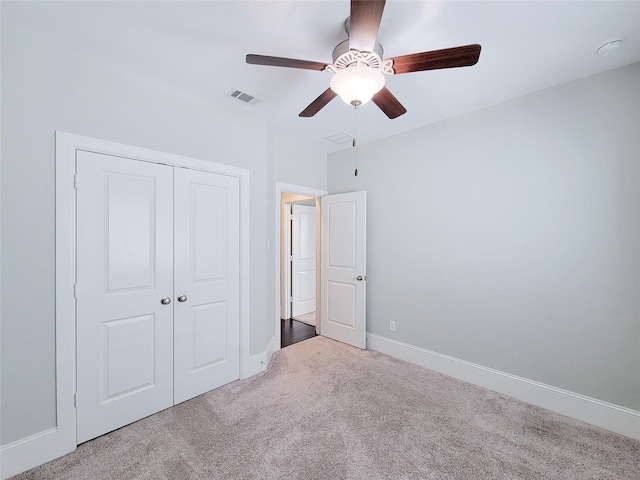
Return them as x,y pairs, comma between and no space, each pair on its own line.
343,268
303,277
124,269
207,282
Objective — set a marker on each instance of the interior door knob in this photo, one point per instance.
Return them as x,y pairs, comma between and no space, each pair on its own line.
182,298
359,278
165,301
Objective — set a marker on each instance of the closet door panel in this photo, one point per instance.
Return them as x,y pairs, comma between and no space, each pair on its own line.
124,269
206,282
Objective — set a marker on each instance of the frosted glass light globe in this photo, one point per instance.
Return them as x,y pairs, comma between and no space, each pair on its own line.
356,85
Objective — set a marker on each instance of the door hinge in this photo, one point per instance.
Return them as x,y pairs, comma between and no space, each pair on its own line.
75,399
75,290
291,258
291,299
75,180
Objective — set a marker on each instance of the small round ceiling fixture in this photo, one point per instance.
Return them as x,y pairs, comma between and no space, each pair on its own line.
609,47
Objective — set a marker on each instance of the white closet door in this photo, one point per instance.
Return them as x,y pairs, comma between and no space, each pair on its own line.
124,269
206,282
303,274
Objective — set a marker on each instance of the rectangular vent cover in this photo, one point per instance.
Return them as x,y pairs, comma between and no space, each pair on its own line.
340,138
242,97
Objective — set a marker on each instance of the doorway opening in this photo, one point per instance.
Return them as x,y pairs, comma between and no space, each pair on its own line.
298,257
297,268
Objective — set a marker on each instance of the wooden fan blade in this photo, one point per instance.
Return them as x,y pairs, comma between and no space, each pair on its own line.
319,103
364,23
436,59
284,62
388,103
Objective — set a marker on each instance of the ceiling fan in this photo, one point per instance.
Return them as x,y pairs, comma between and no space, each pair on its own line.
358,67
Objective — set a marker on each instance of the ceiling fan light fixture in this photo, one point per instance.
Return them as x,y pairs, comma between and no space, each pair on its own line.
357,84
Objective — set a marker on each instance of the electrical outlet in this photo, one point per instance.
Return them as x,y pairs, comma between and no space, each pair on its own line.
392,326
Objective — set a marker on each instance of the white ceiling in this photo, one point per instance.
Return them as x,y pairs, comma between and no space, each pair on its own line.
199,48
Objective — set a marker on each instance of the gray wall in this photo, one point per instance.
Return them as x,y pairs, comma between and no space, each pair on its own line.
297,163
510,237
43,90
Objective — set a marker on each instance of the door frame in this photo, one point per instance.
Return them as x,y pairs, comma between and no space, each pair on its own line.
285,272
62,438
299,190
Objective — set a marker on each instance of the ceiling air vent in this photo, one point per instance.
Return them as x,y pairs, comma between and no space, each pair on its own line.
242,97
340,138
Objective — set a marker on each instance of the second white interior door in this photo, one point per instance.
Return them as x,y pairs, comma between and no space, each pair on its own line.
303,270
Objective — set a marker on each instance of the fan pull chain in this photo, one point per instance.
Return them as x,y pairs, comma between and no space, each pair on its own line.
355,155
353,142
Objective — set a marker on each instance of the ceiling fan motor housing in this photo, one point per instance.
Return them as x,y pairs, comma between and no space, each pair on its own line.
343,57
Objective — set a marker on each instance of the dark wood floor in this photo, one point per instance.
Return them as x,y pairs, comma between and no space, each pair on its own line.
294,331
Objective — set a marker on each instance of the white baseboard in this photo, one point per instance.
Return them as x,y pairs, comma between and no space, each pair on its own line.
26,453
596,412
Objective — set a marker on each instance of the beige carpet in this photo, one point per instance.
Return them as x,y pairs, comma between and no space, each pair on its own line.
324,410
308,318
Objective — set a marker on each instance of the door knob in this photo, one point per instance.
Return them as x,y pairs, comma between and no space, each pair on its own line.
165,301
359,278
182,298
